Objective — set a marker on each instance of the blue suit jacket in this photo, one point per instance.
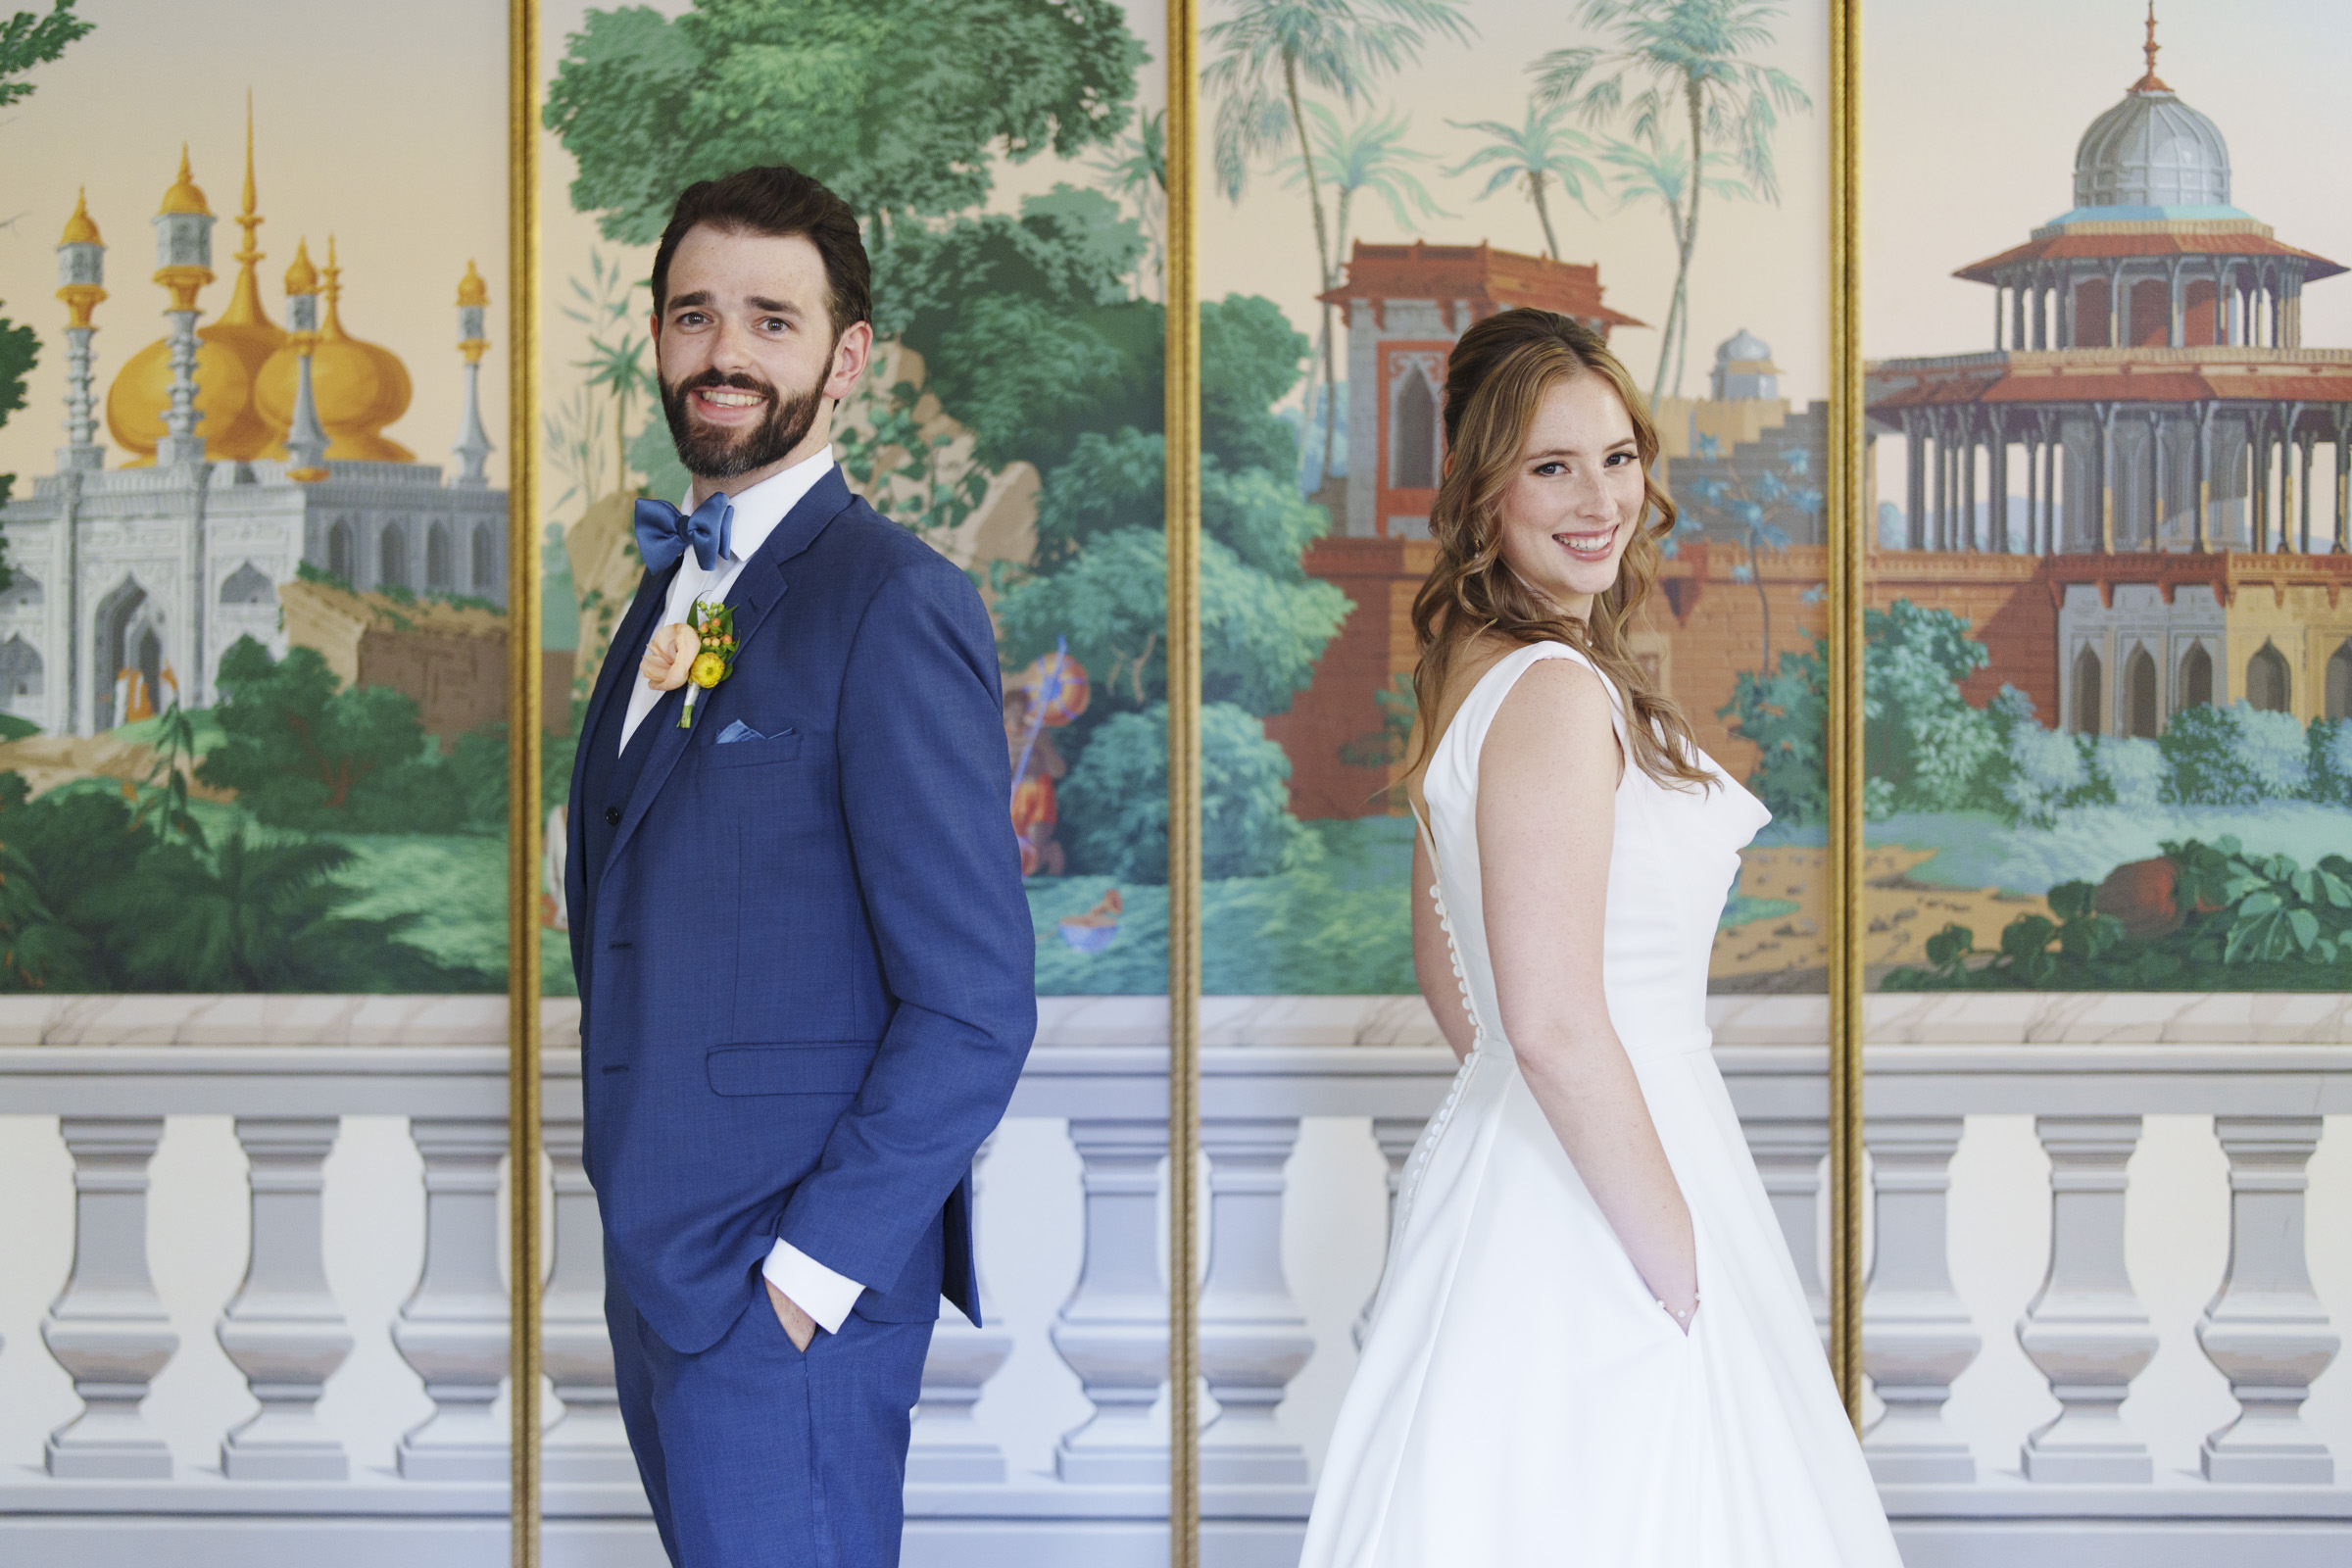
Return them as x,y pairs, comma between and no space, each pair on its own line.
810,983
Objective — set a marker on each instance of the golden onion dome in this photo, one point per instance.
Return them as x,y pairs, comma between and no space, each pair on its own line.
183,196
360,387
142,390
302,277
472,290
79,231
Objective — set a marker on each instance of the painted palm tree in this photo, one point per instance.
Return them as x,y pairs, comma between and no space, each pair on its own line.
1270,52
1661,174
1369,155
1687,60
1136,172
1533,156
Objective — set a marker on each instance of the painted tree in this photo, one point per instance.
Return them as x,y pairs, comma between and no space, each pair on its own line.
1533,155
1680,70
1270,52
902,110
1368,155
1644,173
1135,172
1754,507
27,39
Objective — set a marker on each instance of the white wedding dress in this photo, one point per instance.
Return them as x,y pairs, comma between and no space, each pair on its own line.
1522,1398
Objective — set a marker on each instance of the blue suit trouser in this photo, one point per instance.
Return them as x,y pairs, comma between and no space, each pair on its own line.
758,1455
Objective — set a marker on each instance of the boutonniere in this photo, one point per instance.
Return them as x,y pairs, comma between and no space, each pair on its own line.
713,629
696,652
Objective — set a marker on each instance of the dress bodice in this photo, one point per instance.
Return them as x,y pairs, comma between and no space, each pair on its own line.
1672,860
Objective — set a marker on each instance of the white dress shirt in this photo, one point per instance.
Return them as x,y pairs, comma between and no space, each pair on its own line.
823,1294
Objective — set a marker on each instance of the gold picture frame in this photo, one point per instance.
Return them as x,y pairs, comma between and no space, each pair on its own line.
1847,505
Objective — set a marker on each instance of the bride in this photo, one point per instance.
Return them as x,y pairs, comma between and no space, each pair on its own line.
1590,1345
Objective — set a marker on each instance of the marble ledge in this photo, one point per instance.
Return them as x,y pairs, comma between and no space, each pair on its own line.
253,1021
1985,1018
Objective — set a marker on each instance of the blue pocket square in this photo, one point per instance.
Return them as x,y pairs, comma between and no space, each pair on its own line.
738,731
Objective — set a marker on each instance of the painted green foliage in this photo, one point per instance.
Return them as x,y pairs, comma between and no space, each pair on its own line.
1034,338
28,38
2223,919
96,895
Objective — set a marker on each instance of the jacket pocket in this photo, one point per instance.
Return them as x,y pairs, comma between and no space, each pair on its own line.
779,746
818,1069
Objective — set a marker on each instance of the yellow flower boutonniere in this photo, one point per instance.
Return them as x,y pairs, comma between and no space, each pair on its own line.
714,624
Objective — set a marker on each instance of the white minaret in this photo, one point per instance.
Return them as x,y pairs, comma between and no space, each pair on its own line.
305,438
473,442
81,280
183,265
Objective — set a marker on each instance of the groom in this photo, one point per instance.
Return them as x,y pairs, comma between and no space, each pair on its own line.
804,958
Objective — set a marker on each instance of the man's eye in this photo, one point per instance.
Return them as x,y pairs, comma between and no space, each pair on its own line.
775,324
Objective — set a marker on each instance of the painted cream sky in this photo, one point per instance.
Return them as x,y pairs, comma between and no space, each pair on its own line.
1760,267
384,125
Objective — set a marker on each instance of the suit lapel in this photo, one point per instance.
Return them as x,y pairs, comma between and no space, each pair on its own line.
653,592
756,590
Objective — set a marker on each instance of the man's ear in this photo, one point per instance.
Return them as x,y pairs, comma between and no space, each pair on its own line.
853,350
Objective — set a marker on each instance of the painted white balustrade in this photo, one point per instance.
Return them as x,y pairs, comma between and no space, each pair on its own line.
587,1442
1789,1152
1917,1336
1254,1336
283,1329
108,1330
2267,1330
1395,1136
1113,1331
2085,1329
454,1329
947,1442
978,1479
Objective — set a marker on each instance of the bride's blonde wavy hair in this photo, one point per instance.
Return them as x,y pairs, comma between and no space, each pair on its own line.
1495,381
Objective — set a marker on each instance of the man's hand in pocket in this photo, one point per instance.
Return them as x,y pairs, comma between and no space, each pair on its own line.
798,1325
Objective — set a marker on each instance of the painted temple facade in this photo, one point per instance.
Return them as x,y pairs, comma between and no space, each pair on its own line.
2119,491
244,452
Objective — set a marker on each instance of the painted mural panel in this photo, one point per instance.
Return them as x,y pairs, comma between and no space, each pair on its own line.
1012,416
2110,657
1437,163
253,569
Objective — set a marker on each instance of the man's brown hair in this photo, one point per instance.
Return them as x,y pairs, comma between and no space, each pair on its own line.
776,200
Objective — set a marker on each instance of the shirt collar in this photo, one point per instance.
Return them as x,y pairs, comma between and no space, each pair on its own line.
762,506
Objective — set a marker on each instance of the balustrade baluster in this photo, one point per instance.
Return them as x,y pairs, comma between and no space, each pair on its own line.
453,1331
587,1442
1917,1336
108,1329
1789,1156
1254,1336
1396,1136
2266,1328
1113,1331
947,1444
2085,1329
283,1329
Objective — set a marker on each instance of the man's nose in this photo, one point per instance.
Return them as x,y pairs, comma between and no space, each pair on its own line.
731,347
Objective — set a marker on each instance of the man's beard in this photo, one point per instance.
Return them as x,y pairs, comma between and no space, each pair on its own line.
716,453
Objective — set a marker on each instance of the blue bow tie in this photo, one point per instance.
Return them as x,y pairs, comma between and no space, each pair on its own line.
664,532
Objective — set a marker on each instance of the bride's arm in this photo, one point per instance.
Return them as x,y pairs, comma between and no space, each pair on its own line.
1546,814
1433,960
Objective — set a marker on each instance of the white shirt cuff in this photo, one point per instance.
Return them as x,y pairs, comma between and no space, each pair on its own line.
815,1289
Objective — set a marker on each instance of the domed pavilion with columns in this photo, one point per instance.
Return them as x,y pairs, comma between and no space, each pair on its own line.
245,452
2149,397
